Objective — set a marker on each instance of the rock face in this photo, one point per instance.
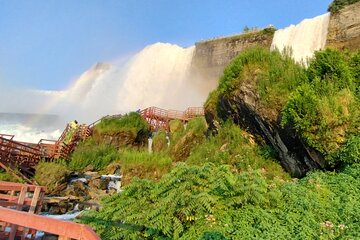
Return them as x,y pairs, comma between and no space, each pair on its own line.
244,108
212,56
344,28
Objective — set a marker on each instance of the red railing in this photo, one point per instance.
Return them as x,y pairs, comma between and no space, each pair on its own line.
159,118
15,222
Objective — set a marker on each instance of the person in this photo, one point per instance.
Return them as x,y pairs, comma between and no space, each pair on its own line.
72,130
74,124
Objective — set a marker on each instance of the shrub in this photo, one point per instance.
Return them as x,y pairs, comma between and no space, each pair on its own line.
212,202
272,75
325,111
51,174
350,151
132,122
92,153
330,66
176,126
237,148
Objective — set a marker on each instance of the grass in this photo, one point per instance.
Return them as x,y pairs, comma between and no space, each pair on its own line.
160,143
183,141
90,152
235,147
270,74
143,165
132,122
51,174
7,177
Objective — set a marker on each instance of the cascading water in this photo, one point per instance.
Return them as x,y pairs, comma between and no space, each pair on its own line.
159,75
304,38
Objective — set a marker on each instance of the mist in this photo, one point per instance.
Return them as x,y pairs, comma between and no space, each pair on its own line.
159,75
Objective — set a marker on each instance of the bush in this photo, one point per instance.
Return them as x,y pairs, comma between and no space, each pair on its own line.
272,75
350,152
330,71
91,153
237,148
132,122
212,202
325,112
51,174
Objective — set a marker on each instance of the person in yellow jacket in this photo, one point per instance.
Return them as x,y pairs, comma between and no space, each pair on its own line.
73,126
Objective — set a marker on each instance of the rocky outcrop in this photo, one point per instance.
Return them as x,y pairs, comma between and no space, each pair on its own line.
243,106
344,28
212,56
83,191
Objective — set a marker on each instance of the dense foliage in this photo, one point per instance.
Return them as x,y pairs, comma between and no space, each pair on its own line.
320,102
237,148
90,152
271,74
337,5
51,174
131,122
325,111
199,202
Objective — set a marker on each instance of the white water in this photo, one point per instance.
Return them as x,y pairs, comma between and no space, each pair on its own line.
159,75
304,38
28,134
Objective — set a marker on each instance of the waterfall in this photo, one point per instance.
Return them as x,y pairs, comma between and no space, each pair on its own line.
159,75
304,38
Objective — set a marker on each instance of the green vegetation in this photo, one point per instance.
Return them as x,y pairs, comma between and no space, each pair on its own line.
321,102
4,176
272,75
143,165
160,143
235,147
337,5
90,152
131,122
227,186
184,141
253,34
195,202
325,111
51,174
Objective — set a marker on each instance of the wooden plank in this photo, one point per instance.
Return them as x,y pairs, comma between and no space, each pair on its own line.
49,225
21,200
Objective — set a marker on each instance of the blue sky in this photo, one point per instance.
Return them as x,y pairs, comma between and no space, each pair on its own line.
45,44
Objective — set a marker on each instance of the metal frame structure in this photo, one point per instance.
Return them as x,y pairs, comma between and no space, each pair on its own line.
159,118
